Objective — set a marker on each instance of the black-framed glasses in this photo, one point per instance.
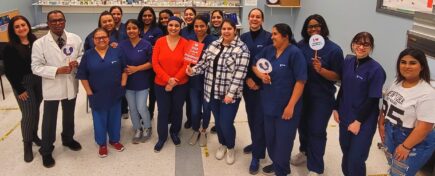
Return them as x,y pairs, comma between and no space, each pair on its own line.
363,44
101,38
313,26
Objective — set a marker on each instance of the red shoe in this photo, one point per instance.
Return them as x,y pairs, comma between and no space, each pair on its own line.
103,151
118,146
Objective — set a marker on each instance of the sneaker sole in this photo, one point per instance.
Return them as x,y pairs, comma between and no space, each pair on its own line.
102,156
253,172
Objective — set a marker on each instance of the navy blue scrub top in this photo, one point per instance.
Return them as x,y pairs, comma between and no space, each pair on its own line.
187,34
115,36
358,84
197,81
288,68
152,34
122,32
138,55
255,46
104,76
332,59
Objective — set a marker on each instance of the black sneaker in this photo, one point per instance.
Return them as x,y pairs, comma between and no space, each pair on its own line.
48,161
175,139
254,166
159,146
213,130
73,145
187,124
247,149
268,170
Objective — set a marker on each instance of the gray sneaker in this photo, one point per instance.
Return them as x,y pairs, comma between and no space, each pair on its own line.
137,136
146,135
203,139
194,138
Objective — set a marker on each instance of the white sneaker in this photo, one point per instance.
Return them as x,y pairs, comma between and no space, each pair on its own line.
137,136
194,138
231,155
298,159
220,153
203,139
311,173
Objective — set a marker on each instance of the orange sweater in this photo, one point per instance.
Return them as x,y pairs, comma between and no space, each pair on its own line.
168,63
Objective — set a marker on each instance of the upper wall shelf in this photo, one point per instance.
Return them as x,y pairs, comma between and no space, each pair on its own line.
129,8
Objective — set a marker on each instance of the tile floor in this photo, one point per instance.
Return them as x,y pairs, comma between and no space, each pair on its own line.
140,159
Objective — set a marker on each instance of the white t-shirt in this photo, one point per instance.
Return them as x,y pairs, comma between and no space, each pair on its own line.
404,106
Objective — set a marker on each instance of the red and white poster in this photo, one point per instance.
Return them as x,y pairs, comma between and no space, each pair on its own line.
409,5
193,52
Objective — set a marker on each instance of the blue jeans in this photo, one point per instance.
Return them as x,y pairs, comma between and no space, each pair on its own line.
199,109
137,103
419,155
224,115
107,122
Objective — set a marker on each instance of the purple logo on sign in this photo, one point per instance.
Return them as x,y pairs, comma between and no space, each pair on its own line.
68,50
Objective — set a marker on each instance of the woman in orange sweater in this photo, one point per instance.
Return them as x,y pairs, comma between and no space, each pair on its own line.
170,82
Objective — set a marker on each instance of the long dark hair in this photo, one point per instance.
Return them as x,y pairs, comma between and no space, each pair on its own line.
104,13
285,30
13,38
142,11
420,57
135,22
324,31
165,11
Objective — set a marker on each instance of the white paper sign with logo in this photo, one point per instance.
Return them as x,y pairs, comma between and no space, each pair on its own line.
67,50
317,42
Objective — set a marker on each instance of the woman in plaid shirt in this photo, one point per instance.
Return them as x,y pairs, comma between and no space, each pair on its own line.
224,64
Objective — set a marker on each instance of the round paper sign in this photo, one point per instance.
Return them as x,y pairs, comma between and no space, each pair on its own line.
264,66
317,42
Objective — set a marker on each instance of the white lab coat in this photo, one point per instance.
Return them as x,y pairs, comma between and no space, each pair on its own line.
47,57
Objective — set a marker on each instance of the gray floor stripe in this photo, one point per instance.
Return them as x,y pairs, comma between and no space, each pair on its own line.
188,159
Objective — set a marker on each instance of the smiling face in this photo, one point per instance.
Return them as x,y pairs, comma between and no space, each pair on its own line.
200,28
20,28
189,16
117,15
216,19
132,31
410,68
147,17
107,22
313,27
255,20
174,28
278,39
228,32
164,18
56,23
101,39
362,48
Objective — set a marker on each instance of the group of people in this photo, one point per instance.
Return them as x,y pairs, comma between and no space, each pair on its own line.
143,59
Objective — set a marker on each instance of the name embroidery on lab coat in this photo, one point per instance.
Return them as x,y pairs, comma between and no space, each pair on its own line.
282,65
114,62
139,51
259,46
359,77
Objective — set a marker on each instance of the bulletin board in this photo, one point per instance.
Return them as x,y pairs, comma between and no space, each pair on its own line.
5,17
404,8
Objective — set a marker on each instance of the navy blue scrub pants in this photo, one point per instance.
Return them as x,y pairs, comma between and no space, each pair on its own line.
312,131
280,135
224,115
356,148
255,114
200,109
170,106
107,122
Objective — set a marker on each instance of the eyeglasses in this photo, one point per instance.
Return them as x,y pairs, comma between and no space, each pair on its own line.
313,26
363,44
101,38
55,21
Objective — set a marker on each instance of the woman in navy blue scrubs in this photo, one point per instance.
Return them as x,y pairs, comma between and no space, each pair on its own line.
199,108
256,39
187,32
164,16
148,24
319,94
281,97
117,13
357,108
101,72
107,22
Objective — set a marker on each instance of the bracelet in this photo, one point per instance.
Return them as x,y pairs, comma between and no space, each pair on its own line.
405,147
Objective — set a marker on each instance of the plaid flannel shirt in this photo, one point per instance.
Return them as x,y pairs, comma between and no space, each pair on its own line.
231,69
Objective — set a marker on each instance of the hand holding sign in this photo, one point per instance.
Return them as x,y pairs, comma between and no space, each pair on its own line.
317,42
265,67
